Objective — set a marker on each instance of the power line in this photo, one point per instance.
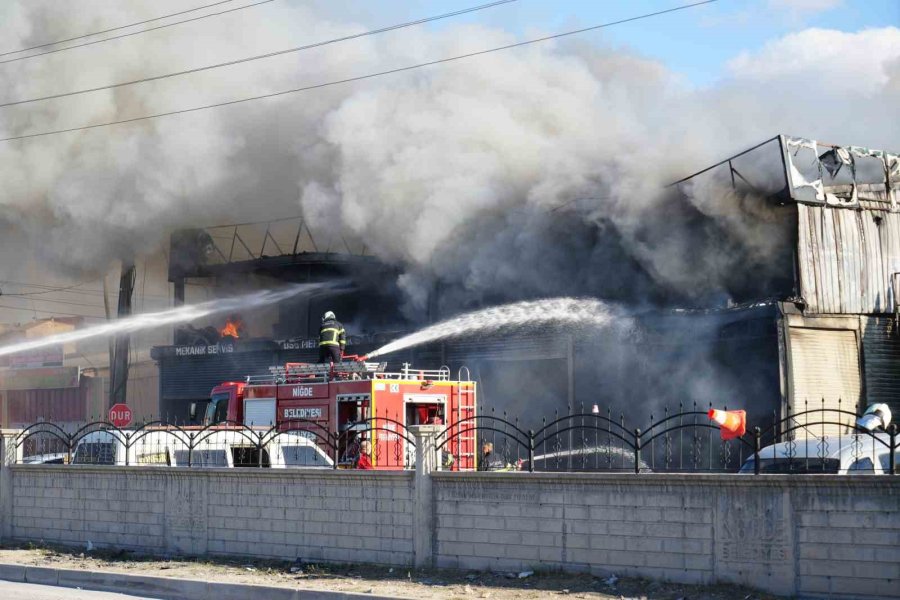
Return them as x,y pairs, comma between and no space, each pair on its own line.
46,291
262,56
78,37
50,312
357,78
124,35
55,301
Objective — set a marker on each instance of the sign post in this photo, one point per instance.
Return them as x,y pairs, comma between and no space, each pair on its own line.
120,415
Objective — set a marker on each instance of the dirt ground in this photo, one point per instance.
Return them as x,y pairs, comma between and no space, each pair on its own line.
410,583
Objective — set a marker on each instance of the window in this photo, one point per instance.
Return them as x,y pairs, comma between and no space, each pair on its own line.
201,458
863,465
248,456
95,453
885,460
304,456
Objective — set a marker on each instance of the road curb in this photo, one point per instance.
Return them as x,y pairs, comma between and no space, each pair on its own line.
167,588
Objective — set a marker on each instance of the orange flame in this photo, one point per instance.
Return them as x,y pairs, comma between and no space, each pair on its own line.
231,329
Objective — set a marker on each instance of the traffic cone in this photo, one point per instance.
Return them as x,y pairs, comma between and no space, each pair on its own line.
732,423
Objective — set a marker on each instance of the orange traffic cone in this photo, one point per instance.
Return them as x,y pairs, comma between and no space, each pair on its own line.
732,423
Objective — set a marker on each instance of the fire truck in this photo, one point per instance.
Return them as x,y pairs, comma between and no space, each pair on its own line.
355,405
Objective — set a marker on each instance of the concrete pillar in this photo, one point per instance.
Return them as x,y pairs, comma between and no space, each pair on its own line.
8,453
423,517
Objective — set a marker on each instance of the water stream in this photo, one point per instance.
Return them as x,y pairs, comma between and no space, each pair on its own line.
567,313
173,316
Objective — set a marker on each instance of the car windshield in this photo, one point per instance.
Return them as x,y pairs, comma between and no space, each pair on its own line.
793,465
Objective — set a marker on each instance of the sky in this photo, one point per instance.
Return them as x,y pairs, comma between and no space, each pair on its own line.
698,42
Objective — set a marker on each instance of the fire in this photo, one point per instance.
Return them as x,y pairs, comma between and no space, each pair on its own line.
233,328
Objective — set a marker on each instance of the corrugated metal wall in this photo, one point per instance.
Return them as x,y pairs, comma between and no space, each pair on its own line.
59,405
846,259
881,354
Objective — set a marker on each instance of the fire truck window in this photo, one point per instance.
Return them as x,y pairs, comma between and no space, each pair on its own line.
424,413
243,456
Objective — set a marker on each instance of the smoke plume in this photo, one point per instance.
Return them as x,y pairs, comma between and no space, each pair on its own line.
519,174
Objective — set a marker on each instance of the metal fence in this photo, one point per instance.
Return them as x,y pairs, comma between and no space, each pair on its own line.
685,440
812,440
383,441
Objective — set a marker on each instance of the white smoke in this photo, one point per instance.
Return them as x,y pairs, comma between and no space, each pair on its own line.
451,172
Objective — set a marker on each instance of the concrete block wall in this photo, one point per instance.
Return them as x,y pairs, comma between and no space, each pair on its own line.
815,536
286,514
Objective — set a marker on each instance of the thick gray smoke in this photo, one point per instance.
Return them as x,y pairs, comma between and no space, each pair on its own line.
451,172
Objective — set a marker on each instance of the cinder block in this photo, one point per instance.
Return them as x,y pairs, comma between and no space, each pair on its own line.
608,542
876,537
578,540
823,535
698,531
607,513
644,544
628,528
664,560
698,562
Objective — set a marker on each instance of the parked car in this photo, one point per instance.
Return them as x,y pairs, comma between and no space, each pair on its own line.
219,448
848,454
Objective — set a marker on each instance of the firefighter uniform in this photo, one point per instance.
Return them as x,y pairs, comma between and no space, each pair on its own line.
332,339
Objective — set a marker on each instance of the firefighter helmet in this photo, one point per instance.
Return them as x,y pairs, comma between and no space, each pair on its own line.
328,315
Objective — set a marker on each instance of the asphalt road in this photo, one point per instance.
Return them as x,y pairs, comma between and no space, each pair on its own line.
30,591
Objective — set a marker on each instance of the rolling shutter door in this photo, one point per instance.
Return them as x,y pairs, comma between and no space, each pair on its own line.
824,367
881,351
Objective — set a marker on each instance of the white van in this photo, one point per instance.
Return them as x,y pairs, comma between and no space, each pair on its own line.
217,448
849,454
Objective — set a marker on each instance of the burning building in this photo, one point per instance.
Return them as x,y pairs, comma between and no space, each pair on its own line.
809,316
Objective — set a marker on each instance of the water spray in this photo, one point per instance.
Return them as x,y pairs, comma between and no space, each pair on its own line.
182,314
571,313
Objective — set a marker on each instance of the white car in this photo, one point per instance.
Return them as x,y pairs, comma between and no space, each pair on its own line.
854,454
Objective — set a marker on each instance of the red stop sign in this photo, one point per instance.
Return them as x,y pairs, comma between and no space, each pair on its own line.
120,415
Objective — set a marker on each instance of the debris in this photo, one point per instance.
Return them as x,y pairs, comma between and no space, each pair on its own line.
525,574
370,591
249,567
472,576
565,591
296,570
611,580
510,575
391,570
89,546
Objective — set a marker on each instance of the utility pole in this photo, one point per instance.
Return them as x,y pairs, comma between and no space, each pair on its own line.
118,367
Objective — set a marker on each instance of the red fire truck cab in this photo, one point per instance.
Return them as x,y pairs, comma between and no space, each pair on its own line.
353,402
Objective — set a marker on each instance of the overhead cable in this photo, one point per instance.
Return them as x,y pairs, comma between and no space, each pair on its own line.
261,56
124,35
357,78
48,289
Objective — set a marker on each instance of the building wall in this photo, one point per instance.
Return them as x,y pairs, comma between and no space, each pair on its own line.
820,536
847,258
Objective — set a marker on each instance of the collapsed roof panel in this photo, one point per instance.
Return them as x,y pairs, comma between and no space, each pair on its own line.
811,172
845,176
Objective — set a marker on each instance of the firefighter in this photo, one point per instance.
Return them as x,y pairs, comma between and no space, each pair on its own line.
490,461
363,461
331,339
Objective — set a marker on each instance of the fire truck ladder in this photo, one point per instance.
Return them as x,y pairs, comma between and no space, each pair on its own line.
465,409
